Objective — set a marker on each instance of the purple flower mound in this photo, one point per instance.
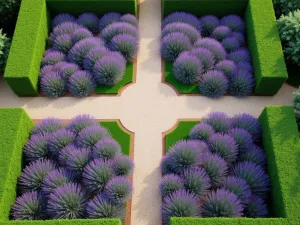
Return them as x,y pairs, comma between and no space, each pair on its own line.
221,32
234,22
106,149
108,19
52,58
245,66
196,181
241,84
81,48
200,145
101,207
214,46
224,145
240,37
254,175
254,154
169,184
126,44
49,125
129,18
118,190
78,160
66,69
231,44
63,28
89,136
109,70
209,23
220,122
173,44
62,18
242,138
184,155
53,85
216,168
114,29
80,122
81,33
205,56
47,69
213,84
122,165
180,204
256,207
187,68
81,84
184,18
222,203
191,32
60,139
165,165
29,206
65,154
201,131
90,21
228,67
63,43
37,147
239,187
93,56
240,55
96,175
33,175
67,202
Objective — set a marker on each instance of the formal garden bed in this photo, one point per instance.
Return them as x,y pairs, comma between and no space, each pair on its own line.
53,170
216,48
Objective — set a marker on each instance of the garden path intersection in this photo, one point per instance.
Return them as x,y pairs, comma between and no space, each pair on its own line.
146,108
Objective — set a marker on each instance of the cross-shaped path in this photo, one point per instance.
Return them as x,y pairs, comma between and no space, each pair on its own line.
146,108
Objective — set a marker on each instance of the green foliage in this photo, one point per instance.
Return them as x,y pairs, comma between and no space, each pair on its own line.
9,11
4,49
285,6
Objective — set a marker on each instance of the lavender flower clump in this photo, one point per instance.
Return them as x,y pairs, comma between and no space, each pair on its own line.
221,32
114,29
49,125
93,56
90,21
234,22
201,131
129,18
52,58
60,139
81,33
205,56
108,19
214,46
89,136
118,190
106,149
62,18
63,43
228,68
81,84
37,147
66,69
169,184
183,17
241,84
209,23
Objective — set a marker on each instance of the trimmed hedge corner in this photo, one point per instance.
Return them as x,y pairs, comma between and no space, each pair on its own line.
262,39
282,147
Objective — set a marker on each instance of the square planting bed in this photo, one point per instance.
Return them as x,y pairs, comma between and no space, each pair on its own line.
31,40
280,141
15,128
262,40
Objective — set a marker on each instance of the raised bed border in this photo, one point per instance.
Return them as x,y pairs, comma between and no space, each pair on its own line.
262,38
282,146
15,127
31,34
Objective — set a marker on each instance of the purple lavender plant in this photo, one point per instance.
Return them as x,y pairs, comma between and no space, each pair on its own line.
118,190
200,145
239,187
184,18
60,139
231,44
129,18
240,37
63,43
90,21
201,131
81,33
53,85
93,56
240,55
242,138
234,22
254,154
49,125
106,148
81,84
205,56
169,184
62,18
241,84
65,154
214,46
80,122
122,165
108,19
66,69
228,68
37,147
52,58
165,165
47,69
219,121
209,23
196,181
114,29
221,32
77,161
245,66
63,28
256,207
89,136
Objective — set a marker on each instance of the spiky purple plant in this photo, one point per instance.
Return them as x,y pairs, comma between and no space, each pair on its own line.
66,69
67,202
62,18
108,19
221,32
49,125
60,139
241,84
180,204
201,131
89,136
196,181
245,66
52,58
96,175
106,148
234,22
187,68
228,67
216,168
205,56
239,187
53,85
65,154
80,33
254,154
93,56
122,165
63,43
173,44
81,84
118,190
165,165
77,161
169,184
219,121
101,207
200,145
114,29
126,44
184,18
37,147
256,207
242,138
240,55
129,18
240,37
222,203
213,84
231,44
117,55
33,175
254,175
78,123
63,28
90,21
109,70
29,206
214,46
209,23
47,69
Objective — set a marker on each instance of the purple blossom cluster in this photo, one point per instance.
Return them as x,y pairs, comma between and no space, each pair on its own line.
210,52
87,51
73,171
220,171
